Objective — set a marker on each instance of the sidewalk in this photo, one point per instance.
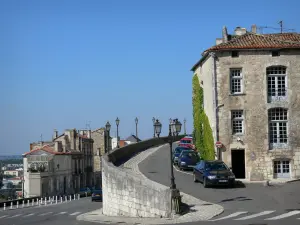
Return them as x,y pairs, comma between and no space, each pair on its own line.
199,210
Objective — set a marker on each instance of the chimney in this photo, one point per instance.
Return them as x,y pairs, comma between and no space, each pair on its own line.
224,34
219,41
89,134
240,31
253,29
55,134
56,146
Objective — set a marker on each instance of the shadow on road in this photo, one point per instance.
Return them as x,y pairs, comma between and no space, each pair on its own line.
236,199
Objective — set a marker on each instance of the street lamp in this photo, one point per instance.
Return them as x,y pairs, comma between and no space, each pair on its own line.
174,129
136,129
23,181
107,128
184,121
117,123
153,120
157,128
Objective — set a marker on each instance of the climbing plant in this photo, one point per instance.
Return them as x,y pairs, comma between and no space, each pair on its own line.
202,132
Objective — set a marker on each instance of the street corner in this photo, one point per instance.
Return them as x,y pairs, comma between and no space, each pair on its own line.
195,209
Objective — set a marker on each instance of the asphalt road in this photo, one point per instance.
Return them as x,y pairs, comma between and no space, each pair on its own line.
60,214
250,199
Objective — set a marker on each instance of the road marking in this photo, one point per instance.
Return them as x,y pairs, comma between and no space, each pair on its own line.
61,213
15,216
229,216
295,212
31,214
3,216
75,213
255,215
45,213
181,171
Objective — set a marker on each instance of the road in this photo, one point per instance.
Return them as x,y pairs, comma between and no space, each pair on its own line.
253,200
60,214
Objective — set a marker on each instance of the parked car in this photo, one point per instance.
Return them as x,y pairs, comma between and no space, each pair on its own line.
96,195
188,159
176,153
85,192
213,172
186,142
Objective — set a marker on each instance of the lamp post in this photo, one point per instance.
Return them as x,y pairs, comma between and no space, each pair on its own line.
184,121
136,128
117,123
153,120
107,128
174,130
23,181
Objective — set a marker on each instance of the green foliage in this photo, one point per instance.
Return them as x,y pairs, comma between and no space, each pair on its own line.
202,132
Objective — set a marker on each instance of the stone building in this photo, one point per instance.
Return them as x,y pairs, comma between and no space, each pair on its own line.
61,166
102,141
250,87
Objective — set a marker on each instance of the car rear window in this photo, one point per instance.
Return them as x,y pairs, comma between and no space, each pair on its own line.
186,141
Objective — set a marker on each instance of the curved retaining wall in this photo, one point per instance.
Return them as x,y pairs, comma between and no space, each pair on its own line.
125,193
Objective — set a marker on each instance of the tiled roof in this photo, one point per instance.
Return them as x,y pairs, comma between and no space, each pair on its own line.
48,149
255,41
260,41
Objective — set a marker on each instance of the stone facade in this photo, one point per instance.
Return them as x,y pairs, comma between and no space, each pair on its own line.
259,156
47,173
99,149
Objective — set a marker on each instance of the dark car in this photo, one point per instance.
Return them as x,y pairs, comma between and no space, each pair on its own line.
214,172
188,159
176,153
97,195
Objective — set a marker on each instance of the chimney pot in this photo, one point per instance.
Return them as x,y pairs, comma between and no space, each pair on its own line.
240,31
224,34
253,29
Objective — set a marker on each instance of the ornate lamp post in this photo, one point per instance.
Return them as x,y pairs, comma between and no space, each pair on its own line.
184,121
174,130
153,120
107,128
117,123
136,128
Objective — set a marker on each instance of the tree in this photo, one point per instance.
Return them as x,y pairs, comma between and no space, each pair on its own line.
202,132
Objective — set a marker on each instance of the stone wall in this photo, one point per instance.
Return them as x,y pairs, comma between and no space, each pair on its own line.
255,140
125,193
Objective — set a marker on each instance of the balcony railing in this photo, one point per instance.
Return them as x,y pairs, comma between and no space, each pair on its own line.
277,95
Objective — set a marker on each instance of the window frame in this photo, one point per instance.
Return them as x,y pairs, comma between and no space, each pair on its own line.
278,171
240,78
276,76
242,119
284,122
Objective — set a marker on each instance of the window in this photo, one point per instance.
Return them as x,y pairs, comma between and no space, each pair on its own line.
281,168
277,83
234,54
275,53
236,81
237,119
278,128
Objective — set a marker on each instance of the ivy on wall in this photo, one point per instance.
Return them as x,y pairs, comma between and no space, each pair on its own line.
202,132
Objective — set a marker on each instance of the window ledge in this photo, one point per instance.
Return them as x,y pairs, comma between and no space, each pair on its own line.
238,94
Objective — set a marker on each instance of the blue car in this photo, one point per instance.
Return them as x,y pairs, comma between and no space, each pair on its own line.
188,159
213,172
176,153
97,195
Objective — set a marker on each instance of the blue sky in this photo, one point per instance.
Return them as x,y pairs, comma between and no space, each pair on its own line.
64,63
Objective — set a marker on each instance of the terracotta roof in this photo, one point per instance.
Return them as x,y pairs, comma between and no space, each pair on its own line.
48,149
260,41
256,41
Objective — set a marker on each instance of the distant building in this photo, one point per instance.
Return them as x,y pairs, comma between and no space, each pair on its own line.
132,139
12,173
61,166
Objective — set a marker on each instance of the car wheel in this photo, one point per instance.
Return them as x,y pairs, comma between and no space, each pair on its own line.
205,185
195,179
